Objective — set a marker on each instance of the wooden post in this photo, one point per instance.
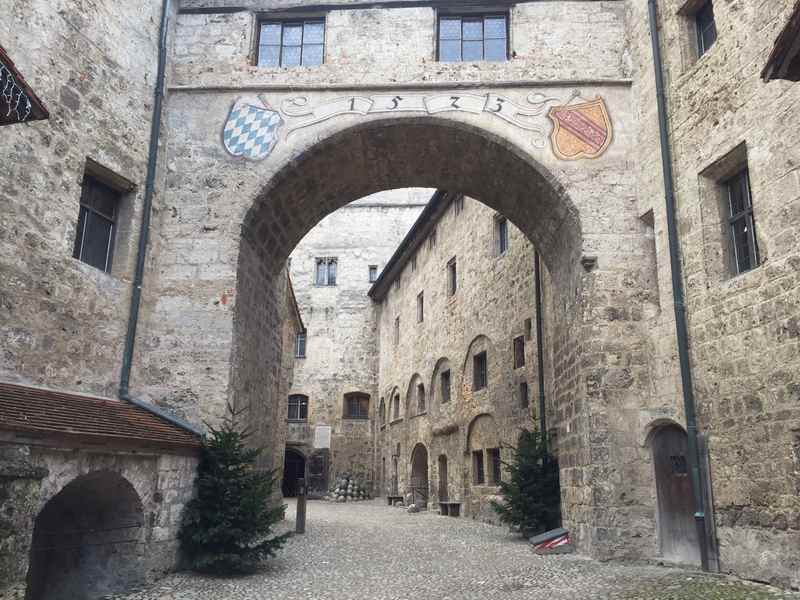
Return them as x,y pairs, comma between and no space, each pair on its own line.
300,525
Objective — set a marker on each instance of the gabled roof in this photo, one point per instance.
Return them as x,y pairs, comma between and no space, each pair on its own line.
80,418
784,60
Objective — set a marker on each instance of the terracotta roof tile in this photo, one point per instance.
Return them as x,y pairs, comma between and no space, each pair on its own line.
38,410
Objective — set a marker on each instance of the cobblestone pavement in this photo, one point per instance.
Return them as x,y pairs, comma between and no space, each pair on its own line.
369,551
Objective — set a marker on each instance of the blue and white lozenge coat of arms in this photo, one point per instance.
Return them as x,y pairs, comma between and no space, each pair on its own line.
251,129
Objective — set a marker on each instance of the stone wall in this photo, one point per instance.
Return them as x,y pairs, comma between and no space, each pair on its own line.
341,342
494,303
34,475
743,329
93,64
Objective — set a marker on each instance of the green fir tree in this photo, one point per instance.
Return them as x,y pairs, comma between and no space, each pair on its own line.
227,527
532,494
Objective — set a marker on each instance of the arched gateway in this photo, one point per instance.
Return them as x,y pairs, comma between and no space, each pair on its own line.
578,214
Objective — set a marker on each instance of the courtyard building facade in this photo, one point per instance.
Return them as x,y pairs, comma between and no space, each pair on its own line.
666,221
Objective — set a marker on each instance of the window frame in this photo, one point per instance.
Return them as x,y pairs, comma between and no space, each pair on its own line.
445,390
452,277
352,399
741,178
518,346
89,184
372,273
478,468
502,235
472,16
326,262
301,405
300,345
283,22
495,464
705,9
480,359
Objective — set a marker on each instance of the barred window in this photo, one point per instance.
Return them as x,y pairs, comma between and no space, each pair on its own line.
356,406
744,245
298,407
479,371
478,474
291,43
94,239
706,27
473,37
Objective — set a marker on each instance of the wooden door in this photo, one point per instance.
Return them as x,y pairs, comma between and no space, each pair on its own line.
443,478
676,526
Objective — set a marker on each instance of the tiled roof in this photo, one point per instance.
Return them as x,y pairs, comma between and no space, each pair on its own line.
87,418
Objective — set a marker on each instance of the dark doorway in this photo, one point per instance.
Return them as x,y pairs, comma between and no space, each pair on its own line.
318,473
88,541
294,468
443,497
676,527
419,476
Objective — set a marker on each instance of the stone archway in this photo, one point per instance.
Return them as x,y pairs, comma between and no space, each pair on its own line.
579,220
87,540
419,476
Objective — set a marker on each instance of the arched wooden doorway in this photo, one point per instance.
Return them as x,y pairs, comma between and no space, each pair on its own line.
419,476
294,468
677,535
87,540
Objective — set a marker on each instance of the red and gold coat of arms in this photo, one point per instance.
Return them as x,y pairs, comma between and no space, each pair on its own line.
580,130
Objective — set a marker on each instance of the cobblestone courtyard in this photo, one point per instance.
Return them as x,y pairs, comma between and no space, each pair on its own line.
368,551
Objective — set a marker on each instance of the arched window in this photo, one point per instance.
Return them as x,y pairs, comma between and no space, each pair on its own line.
420,398
298,407
356,405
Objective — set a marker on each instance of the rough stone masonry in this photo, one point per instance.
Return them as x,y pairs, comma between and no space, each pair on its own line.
583,184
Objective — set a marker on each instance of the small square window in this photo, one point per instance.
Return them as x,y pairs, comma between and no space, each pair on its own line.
473,38
291,43
373,273
706,27
452,277
445,386
420,307
519,352
478,475
356,406
300,345
479,371
298,407
97,224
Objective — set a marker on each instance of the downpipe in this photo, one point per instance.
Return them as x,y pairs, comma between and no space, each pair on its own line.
678,292
144,231
537,273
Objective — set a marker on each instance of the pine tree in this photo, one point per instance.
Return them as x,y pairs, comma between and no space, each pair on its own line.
227,527
531,496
